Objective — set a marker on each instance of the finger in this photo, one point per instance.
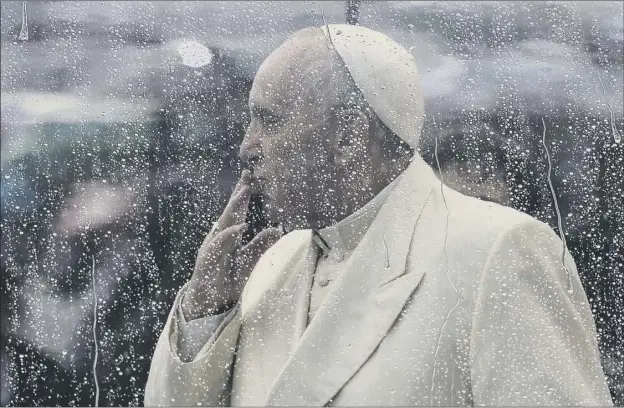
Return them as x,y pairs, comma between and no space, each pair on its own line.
222,243
245,179
236,209
252,252
225,240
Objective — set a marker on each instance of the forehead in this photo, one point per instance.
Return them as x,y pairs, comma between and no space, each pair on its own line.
297,74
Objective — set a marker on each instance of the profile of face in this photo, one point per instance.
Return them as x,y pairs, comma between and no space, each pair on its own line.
309,141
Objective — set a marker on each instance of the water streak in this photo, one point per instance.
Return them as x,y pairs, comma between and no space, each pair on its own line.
23,35
559,222
448,316
95,342
616,134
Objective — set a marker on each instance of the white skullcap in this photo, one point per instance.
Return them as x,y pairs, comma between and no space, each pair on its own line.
387,76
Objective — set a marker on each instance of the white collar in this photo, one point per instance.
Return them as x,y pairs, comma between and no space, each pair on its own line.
344,236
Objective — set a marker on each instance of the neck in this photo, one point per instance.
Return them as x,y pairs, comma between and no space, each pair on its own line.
357,191
395,166
388,170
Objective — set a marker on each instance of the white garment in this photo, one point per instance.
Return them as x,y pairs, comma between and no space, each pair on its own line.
477,313
447,300
341,238
195,333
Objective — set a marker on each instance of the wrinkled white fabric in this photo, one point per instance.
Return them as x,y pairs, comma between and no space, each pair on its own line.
390,331
342,238
193,334
386,74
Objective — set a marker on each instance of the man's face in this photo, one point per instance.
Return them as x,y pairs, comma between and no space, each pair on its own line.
289,142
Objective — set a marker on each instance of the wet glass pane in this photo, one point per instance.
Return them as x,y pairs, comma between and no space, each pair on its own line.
122,124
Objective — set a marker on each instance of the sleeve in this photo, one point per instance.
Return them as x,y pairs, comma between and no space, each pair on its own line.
192,335
533,339
204,381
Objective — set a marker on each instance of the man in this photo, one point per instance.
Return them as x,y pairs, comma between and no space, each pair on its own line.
390,289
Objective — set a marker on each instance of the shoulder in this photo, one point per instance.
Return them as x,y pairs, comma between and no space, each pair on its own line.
484,215
274,265
289,243
478,233
476,225
521,251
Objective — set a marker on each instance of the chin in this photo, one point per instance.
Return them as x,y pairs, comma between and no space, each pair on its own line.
287,221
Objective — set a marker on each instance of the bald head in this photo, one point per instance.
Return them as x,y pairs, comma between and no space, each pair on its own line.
316,146
303,70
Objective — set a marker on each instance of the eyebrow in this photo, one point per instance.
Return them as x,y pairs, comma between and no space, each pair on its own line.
263,112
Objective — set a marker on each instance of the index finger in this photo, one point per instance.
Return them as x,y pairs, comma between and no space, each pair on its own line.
245,179
236,209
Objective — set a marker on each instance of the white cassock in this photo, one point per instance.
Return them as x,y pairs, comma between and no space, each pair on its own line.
423,297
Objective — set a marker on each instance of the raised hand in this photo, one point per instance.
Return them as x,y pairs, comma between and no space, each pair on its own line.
223,265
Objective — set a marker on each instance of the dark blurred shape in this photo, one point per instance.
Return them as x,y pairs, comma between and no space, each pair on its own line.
353,11
255,218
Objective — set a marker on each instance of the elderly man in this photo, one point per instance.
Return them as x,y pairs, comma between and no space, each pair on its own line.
389,288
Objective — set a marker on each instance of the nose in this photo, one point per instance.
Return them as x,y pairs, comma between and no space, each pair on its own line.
251,150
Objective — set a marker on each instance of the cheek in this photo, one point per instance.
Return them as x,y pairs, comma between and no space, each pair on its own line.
303,152
299,158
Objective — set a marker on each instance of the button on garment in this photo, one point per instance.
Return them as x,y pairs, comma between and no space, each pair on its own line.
325,274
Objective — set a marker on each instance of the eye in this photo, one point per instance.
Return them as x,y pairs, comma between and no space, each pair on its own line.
269,119
265,116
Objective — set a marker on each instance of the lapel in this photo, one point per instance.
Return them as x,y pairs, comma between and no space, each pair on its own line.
363,304
275,305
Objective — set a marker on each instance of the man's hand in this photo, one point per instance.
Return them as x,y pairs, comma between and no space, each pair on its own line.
222,266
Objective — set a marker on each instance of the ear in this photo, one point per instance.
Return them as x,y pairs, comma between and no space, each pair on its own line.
352,136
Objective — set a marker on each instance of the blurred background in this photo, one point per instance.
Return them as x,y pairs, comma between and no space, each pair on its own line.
121,123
